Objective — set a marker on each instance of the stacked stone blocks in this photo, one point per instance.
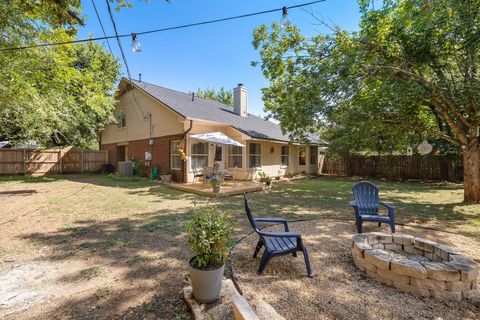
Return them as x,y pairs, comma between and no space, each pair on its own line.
416,265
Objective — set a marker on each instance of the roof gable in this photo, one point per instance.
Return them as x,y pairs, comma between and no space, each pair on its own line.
214,111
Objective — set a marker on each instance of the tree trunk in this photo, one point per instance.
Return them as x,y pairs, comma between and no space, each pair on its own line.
471,172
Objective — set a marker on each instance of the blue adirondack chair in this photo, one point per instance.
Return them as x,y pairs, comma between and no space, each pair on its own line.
366,206
276,243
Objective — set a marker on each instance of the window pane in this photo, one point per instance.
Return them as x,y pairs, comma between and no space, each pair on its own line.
254,148
199,162
235,161
254,161
235,150
285,155
200,148
313,155
302,156
175,161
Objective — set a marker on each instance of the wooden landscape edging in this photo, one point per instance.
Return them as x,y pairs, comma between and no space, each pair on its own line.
447,168
51,161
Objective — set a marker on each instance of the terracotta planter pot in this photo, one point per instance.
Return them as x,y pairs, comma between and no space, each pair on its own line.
206,284
216,189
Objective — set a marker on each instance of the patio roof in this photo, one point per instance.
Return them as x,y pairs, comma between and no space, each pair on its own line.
217,137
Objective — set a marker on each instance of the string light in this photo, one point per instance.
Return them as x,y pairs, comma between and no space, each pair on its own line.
190,25
136,46
284,21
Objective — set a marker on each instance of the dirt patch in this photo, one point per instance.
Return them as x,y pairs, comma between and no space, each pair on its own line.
339,290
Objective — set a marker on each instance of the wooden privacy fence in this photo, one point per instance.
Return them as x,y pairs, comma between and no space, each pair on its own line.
57,161
449,168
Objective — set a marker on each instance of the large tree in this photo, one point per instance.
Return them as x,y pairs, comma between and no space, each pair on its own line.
55,95
411,70
223,95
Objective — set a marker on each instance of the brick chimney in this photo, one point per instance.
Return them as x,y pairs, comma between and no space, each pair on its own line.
240,100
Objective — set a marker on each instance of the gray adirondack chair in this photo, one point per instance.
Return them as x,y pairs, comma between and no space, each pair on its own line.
366,205
276,243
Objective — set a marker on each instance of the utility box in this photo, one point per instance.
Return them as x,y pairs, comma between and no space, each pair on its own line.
125,169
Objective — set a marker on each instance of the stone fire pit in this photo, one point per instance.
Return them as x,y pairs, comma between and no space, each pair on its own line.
416,265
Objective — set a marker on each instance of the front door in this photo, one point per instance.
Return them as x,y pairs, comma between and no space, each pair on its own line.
219,156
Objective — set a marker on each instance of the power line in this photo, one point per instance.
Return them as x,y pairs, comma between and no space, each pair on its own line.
123,55
101,25
162,29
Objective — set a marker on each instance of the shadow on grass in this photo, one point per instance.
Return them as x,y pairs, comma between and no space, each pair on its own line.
148,256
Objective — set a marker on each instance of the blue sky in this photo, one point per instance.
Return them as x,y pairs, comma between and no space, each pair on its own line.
216,55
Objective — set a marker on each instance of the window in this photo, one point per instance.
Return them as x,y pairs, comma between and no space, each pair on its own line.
199,156
302,156
175,161
234,156
285,155
121,123
254,155
313,156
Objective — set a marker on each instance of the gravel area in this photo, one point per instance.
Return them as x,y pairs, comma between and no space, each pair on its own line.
338,289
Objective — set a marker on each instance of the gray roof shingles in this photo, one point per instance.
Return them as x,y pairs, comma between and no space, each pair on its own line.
210,110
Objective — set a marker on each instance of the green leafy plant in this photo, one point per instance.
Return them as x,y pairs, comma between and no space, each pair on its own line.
139,168
215,182
262,176
268,181
210,230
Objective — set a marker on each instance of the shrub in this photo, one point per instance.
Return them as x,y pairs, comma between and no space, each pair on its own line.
139,168
210,231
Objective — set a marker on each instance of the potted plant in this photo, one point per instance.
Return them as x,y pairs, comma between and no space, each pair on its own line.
210,230
268,182
215,182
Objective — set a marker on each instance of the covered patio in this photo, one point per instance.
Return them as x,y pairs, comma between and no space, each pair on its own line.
227,189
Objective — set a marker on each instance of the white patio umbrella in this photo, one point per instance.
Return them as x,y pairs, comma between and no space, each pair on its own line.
217,137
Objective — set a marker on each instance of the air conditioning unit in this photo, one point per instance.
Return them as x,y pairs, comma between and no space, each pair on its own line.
125,169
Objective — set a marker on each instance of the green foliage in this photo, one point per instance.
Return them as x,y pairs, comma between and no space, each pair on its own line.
410,73
223,95
263,176
215,181
59,95
139,168
268,181
210,230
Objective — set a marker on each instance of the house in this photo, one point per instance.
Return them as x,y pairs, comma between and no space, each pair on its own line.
156,125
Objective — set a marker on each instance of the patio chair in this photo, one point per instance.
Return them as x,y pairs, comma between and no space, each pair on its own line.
196,175
366,206
276,243
207,173
228,176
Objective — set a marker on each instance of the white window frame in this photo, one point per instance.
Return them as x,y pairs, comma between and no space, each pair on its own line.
259,155
231,154
174,153
192,155
286,156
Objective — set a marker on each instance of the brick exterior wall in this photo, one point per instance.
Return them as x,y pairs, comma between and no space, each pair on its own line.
160,154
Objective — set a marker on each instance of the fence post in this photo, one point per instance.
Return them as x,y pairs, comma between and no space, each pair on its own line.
60,160
24,161
82,159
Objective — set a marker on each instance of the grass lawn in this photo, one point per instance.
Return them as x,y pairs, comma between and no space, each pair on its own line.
107,246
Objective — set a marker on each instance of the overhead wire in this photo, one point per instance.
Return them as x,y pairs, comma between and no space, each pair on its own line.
189,25
123,57
101,26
